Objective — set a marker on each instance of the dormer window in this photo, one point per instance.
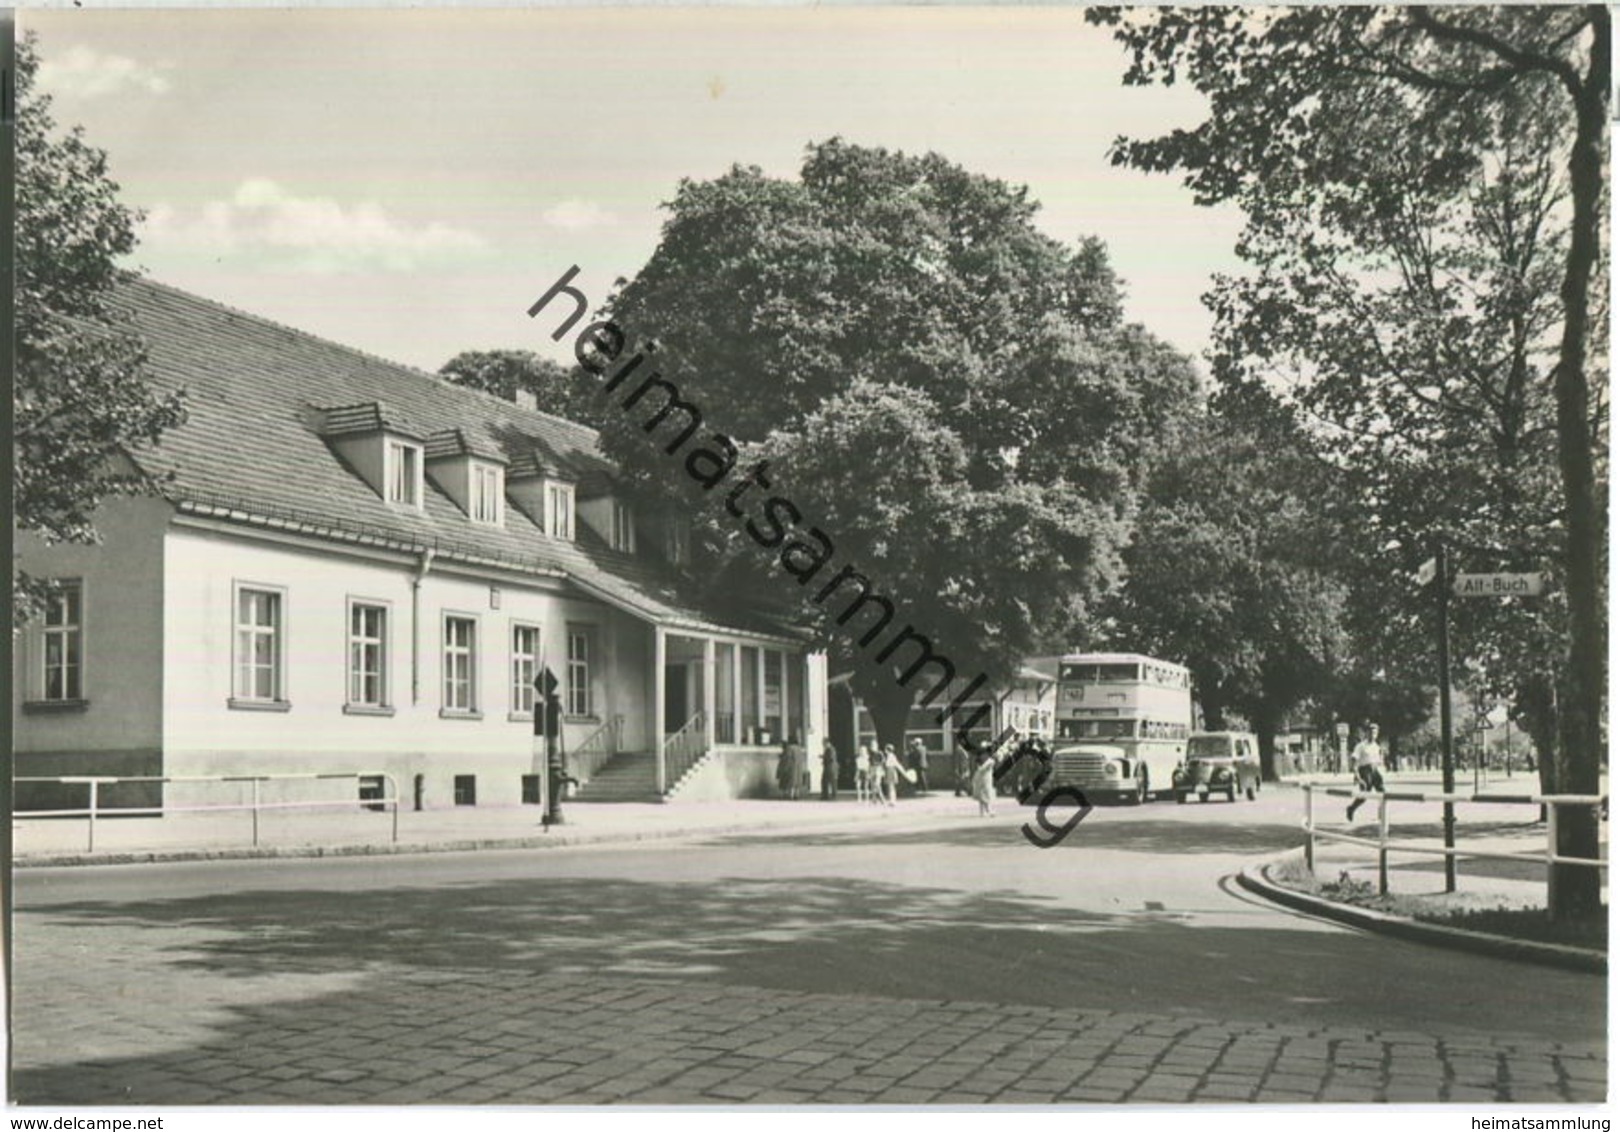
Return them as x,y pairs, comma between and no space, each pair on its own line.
488,491
403,473
560,510
624,527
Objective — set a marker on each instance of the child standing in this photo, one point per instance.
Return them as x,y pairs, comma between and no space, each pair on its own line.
983,783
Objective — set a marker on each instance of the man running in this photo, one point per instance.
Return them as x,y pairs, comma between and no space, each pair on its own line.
1368,759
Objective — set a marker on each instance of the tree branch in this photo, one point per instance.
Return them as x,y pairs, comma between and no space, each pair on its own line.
1517,57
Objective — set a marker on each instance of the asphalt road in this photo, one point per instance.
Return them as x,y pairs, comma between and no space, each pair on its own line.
1133,916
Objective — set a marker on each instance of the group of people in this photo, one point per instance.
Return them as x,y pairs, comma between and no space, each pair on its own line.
879,769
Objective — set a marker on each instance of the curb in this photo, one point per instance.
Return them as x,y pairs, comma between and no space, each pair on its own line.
1257,880
463,845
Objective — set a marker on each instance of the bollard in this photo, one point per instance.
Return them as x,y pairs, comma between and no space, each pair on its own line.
95,790
255,813
1383,845
1552,852
1310,832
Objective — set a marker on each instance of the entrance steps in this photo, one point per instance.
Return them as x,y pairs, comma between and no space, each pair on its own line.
629,776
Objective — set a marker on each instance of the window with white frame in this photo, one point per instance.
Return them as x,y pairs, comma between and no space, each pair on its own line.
581,642
677,541
525,663
624,527
368,654
487,490
63,642
258,644
403,473
560,510
460,664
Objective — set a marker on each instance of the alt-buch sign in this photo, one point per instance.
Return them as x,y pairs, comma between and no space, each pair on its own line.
1498,585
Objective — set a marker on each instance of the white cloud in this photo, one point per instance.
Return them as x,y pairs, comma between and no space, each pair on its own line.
84,72
575,215
269,226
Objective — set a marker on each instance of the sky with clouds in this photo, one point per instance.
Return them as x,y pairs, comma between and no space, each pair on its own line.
409,181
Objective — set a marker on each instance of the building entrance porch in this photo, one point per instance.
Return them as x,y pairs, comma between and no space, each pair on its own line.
733,699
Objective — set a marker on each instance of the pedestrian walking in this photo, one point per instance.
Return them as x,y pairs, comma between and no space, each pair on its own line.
891,775
787,771
875,776
983,783
863,774
1368,758
829,771
917,762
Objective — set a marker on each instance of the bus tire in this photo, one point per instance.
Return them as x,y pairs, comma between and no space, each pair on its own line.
1140,794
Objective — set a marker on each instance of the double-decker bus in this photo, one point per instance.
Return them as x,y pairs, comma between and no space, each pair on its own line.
1122,724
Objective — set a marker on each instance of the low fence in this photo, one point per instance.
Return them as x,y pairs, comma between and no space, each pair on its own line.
376,790
1384,846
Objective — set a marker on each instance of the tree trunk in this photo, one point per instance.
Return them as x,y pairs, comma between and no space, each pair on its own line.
1265,730
1574,892
889,703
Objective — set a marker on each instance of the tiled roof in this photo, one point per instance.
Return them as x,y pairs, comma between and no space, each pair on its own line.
261,396
373,416
456,442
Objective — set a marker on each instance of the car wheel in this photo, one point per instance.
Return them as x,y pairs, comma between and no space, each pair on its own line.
1140,795
1181,797
1232,792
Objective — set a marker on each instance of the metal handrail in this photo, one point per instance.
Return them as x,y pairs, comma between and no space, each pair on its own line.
595,749
96,782
1384,846
683,749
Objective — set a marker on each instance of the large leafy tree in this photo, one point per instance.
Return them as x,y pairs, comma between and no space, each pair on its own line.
80,400
1425,194
949,394
558,390
1233,566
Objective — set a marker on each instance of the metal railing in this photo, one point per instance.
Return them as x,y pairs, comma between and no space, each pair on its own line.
681,751
595,749
255,804
1384,846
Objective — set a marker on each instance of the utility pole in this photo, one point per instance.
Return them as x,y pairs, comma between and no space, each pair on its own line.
1442,583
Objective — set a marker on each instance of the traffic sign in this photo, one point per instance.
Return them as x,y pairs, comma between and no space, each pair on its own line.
545,682
1499,585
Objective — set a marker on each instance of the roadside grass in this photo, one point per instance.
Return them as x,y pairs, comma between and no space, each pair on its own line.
1480,911
1529,924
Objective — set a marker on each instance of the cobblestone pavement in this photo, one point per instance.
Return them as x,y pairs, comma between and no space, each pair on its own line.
484,1037
917,963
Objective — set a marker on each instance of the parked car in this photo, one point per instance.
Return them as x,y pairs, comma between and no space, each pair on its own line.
1219,762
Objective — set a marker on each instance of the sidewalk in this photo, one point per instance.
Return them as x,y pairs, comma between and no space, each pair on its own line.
38,842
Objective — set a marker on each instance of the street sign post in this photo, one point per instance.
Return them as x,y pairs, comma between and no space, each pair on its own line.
1499,585
548,725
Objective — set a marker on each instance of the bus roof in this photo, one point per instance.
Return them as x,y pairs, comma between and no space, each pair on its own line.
1105,658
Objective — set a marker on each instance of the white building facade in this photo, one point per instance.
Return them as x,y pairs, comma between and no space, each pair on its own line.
357,568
